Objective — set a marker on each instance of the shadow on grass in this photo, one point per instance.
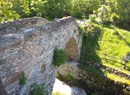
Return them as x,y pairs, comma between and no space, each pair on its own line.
89,47
120,37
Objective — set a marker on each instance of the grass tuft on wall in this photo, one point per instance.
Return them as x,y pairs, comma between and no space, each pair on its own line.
59,57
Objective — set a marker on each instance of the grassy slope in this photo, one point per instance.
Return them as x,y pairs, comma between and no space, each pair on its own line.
115,43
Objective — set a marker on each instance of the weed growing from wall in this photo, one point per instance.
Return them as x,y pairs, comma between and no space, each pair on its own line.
22,79
38,89
59,57
69,76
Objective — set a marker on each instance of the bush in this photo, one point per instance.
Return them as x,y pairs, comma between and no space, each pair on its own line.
59,57
22,79
38,89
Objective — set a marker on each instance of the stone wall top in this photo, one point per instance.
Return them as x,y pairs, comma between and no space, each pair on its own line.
16,25
14,33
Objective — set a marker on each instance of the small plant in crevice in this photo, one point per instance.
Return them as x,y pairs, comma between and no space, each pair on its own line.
38,89
59,57
22,79
69,76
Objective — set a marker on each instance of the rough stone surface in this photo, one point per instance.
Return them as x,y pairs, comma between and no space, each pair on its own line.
91,82
30,50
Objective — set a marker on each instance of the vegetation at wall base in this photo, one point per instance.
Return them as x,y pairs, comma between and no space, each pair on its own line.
90,43
105,47
22,79
59,57
38,89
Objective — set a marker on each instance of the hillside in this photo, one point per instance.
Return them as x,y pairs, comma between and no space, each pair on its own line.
105,48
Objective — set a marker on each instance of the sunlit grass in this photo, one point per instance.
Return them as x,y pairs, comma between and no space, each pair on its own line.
116,68
117,78
116,44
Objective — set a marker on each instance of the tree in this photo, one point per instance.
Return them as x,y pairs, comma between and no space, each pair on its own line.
5,11
120,7
84,7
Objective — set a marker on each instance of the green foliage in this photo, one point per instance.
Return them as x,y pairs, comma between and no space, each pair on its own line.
22,79
110,11
121,7
84,7
27,8
59,57
38,89
92,18
119,12
47,8
88,51
6,14
82,30
104,14
111,40
114,18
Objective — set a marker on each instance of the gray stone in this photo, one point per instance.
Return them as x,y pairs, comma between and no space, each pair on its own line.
27,45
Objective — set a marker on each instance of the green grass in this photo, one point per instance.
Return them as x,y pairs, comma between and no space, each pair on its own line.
59,57
117,68
117,78
110,40
114,42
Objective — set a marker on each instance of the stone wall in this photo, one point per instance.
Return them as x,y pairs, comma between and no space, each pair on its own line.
17,25
30,50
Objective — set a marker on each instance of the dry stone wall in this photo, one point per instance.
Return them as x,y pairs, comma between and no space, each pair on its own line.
29,49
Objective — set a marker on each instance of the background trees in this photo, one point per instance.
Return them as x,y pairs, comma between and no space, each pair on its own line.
105,10
6,12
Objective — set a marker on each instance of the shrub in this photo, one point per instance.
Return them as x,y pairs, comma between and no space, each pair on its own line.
22,79
59,57
81,30
38,89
